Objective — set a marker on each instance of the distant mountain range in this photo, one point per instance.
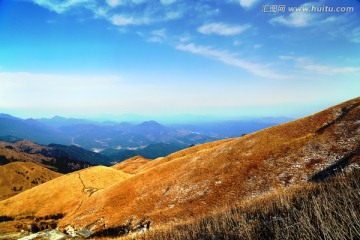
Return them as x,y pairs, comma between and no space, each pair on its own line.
152,151
119,141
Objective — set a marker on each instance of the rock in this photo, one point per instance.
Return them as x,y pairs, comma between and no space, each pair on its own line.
71,231
46,235
85,233
53,235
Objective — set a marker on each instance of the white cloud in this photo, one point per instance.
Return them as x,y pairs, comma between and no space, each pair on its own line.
303,16
296,19
151,13
227,58
172,15
355,35
237,42
185,39
167,2
258,46
244,3
120,20
307,64
328,70
222,29
114,3
248,3
158,35
61,6
138,1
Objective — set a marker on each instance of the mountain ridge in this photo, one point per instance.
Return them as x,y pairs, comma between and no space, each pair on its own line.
51,158
185,184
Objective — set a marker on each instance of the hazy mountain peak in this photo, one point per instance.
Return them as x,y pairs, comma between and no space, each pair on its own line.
8,116
151,123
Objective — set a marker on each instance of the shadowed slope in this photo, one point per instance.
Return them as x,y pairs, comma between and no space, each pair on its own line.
9,152
27,151
17,177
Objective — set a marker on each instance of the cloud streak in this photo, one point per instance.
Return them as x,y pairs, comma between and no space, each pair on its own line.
62,6
222,29
229,59
303,16
308,65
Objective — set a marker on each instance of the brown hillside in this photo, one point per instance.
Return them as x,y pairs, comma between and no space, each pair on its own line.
27,151
17,177
131,165
13,152
201,179
63,195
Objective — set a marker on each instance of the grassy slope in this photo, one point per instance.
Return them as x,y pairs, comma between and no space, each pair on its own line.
17,177
61,195
328,210
131,165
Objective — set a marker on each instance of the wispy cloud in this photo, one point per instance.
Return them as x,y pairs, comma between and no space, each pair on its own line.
61,6
307,64
306,18
298,19
230,59
248,3
158,35
114,3
172,15
167,2
120,20
355,35
222,29
121,12
244,3
138,1
328,70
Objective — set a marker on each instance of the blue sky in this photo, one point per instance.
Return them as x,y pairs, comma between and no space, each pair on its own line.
230,58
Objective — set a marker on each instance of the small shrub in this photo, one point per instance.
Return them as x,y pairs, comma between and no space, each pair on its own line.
6,218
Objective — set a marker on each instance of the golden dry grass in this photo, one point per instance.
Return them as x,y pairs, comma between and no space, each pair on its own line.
63,195
17,177
328,210
131,165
